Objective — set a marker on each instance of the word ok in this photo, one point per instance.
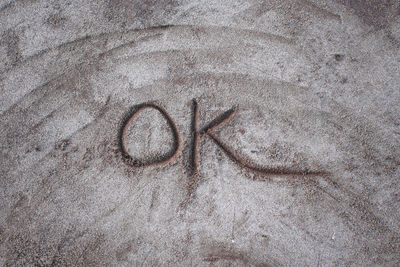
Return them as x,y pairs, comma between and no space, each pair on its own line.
197,135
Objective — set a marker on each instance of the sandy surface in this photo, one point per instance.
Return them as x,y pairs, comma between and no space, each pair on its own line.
259,133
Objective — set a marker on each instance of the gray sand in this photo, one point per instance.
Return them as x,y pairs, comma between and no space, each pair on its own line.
315,91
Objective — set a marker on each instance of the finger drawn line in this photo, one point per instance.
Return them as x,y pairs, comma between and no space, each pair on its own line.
264,171
194,157
225,118
194,166
162,159
221,120
209,130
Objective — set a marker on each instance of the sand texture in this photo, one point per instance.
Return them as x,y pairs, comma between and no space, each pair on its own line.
200,133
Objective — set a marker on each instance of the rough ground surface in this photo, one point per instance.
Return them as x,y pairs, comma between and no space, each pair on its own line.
316,86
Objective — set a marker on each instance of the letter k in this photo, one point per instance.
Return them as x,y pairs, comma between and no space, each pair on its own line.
210,131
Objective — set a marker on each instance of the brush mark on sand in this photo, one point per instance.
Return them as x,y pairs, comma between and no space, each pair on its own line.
36,92
317,9
81,40
104,35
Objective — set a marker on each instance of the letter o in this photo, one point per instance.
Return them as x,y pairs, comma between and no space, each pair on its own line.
160,161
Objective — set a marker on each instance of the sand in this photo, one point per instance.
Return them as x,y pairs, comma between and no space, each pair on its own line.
200,133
